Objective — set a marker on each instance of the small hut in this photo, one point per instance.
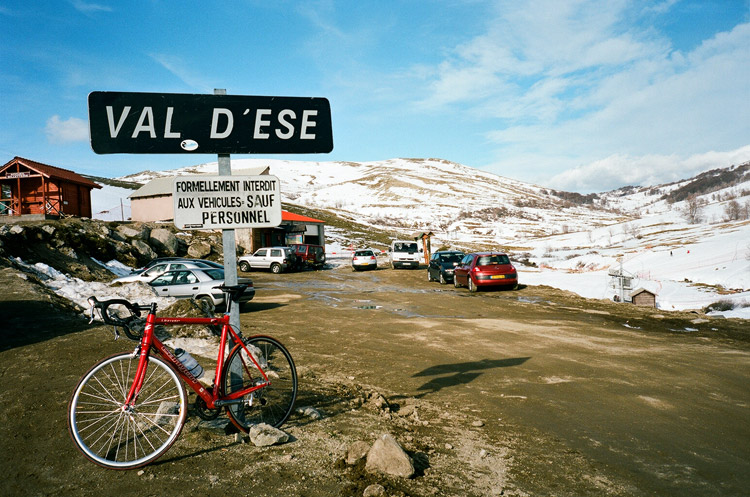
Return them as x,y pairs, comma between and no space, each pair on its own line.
643,297
30,189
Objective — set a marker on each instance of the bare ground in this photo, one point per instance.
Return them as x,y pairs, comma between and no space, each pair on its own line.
526,392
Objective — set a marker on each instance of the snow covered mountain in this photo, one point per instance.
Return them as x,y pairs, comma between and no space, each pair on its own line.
409,195
688,241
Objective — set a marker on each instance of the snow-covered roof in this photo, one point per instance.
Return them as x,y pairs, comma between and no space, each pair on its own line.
163,185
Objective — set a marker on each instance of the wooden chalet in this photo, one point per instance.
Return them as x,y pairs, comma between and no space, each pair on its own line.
31,189
643,297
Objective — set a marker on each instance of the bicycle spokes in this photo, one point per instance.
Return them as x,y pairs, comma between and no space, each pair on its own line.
270,404
121,436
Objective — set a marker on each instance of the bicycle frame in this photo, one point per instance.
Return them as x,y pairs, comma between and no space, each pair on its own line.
212,399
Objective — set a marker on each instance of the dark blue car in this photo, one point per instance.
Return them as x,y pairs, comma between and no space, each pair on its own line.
442,264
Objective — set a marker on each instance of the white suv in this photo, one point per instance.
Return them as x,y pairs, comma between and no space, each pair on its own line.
277,259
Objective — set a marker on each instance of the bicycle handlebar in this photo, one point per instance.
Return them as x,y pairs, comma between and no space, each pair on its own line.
113,317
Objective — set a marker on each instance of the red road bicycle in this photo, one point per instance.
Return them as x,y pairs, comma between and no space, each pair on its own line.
130,407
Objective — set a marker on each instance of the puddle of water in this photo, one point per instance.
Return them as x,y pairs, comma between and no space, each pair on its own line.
529,300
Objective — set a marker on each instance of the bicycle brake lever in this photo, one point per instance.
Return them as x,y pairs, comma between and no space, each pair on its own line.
117,333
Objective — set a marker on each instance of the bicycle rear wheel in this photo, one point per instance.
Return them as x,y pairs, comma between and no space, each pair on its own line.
122,438
272,404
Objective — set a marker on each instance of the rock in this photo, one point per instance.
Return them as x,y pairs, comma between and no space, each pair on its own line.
69,252
357,451
407,410
128,232
144,249
478,423
388,457
379,402
374,490
199,250
309,412
165,240
263,435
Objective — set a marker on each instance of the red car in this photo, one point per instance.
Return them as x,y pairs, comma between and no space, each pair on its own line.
485,269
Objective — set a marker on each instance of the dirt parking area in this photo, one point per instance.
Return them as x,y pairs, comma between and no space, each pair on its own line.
527,392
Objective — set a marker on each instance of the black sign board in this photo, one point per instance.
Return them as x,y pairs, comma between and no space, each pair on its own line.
173,123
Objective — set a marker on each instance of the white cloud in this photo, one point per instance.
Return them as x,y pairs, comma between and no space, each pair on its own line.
68,131
582,85
619,170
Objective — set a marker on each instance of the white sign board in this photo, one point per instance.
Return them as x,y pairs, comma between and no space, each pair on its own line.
226,202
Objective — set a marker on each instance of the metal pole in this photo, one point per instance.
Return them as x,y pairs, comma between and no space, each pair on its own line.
228,240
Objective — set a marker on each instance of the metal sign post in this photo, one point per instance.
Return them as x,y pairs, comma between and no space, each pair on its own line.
228,240
173,123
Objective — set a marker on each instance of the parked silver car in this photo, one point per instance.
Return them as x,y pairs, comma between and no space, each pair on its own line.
162,267
364,259
277,259
160,260
199,284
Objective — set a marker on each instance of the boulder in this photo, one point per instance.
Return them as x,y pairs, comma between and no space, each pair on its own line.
199,250
263,435
386,456
128,231
143,248
164,240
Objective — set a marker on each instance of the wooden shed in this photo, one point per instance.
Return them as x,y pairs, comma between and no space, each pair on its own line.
643,297
32,189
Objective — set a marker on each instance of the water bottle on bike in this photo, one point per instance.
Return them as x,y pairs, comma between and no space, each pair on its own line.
189,362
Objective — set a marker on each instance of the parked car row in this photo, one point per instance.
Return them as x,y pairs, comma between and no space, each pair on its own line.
474,271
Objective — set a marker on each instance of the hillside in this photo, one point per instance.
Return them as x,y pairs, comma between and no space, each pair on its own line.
458,203
562,239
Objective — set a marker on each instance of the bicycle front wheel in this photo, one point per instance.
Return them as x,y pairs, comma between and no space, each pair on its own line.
271,404
119,437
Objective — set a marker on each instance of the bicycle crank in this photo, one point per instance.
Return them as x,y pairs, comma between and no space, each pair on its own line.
203,411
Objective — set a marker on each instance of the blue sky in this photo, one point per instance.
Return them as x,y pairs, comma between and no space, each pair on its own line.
577,95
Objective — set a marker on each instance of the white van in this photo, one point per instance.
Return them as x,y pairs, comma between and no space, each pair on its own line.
405,253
